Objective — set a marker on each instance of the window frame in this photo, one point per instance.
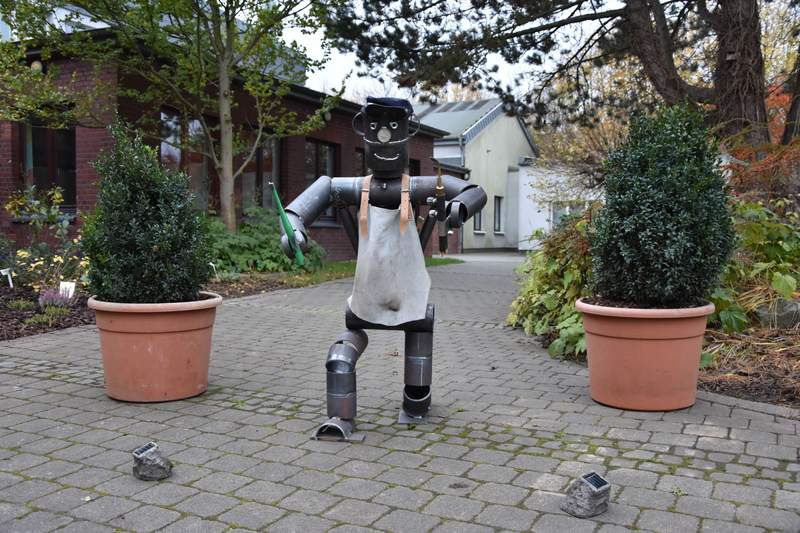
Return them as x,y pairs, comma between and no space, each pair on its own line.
53,162
183,160
330,168
498,214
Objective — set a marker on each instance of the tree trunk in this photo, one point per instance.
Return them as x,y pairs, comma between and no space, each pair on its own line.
740,90
226,181
792,124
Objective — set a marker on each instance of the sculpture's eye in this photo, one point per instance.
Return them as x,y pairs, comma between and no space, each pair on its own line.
373,126
393,125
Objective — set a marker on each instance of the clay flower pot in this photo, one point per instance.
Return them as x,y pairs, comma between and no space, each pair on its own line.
156,352
644,359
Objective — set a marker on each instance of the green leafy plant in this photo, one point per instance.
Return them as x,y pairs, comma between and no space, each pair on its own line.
665,233
20,305
41,264
6,253
256,245
765,267
48,320
44,267
39,211
552,279
55,310
144,241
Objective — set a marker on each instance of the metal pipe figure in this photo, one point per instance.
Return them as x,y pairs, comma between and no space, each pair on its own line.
391,285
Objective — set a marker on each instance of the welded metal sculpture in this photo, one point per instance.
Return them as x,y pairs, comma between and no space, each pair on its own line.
391,285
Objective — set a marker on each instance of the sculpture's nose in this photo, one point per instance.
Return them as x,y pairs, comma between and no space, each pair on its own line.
384,135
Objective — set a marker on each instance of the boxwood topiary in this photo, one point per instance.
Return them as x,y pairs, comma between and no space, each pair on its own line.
665,232
145,242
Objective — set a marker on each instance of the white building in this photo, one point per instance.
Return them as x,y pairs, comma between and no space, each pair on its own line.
493,148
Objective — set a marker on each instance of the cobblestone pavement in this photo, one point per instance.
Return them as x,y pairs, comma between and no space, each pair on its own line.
509,430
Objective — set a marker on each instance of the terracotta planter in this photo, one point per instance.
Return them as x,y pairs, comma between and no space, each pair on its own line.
156,352
644,359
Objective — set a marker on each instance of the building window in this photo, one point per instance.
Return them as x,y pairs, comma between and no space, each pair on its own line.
498,214
559,210
477,222
414,167
49,160
262,170
320,161
360,162
193,160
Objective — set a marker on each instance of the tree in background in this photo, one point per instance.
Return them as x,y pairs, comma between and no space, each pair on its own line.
194,55
687,50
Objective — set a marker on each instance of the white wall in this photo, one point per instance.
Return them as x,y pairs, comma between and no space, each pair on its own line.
531,216
493,158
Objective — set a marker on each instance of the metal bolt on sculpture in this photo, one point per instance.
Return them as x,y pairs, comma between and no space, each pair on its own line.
391,285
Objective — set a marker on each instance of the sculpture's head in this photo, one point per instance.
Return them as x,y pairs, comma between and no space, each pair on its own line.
386,125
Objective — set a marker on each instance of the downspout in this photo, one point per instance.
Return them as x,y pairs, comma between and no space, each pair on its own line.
461,148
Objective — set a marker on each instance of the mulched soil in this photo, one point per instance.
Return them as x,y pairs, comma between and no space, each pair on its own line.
13,326
762,366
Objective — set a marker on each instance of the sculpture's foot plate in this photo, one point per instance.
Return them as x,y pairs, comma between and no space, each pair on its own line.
405,418
357,438
338,430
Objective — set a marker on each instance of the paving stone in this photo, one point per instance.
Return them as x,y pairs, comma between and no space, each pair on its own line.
706,508
502,516
82,526
666,522
10,511
38,521
195,524
308,501
404,497
551,523
64,500
221,482
104,509
298,522
773,519
252,515
451,526
402,521
145,519
164,494
360,489
742,494
499,493
453,507
356,512
207,504
27,491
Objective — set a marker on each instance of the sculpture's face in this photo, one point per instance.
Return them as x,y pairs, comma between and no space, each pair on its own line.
386,138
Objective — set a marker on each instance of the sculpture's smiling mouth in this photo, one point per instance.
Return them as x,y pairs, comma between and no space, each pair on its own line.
395,158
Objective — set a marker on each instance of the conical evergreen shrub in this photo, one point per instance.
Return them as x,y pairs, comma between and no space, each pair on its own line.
145,241
665,233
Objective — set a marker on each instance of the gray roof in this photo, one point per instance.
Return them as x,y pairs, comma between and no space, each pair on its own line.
457,117
465,119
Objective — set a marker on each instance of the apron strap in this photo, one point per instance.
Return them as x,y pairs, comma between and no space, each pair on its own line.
405,205
362,212
406,212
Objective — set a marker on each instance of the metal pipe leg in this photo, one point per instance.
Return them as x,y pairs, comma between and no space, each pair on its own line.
418,373
341,385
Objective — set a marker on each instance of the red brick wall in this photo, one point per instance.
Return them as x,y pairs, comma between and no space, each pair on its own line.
338,131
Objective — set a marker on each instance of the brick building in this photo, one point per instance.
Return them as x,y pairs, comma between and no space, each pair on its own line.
34,154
